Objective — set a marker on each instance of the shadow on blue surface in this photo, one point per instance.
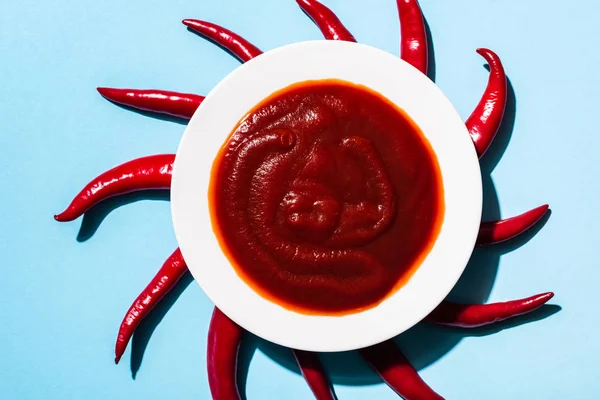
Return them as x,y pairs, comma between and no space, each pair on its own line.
161,117
143,333
94,217
430,52
492,157
424,344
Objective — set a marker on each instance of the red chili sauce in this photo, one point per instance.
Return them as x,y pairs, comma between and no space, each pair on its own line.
326,198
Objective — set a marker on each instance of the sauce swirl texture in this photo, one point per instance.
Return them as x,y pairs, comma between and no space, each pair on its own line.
326,198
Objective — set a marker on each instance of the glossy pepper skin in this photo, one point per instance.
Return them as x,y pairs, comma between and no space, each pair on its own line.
485,120
330,25
413,36
308,362
167,277
224,338
499,231
180,105
395,370
476,315
224,335
151,172
314,375
237,45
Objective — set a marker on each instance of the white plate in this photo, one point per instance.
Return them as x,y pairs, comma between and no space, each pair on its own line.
412,91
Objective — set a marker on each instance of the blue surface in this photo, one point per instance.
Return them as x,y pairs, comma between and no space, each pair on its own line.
63,297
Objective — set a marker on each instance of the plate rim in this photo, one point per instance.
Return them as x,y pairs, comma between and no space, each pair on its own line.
178,193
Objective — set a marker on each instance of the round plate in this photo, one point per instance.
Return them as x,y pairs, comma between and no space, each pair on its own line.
402,84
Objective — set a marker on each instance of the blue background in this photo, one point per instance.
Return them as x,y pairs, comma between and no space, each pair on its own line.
66,286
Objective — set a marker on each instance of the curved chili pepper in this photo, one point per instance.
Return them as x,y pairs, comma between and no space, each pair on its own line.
330,25
224,337
181,105
313,373
237,45
475,315
395,370
413,36
484,121
151,172
499,231
167,277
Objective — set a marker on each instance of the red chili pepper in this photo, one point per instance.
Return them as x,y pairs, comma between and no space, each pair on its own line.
499,231
224,337
152,172
181,105
475,315
313,373
487,116
167,277
237,45
395,370
330,25
413,36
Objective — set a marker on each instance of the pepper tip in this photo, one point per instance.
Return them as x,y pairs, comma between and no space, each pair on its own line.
104,91
65,216
190,23
117,359
541,211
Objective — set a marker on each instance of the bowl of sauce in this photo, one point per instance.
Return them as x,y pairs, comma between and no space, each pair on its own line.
326,196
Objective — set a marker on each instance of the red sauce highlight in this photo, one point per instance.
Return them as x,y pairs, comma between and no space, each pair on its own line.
326,198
